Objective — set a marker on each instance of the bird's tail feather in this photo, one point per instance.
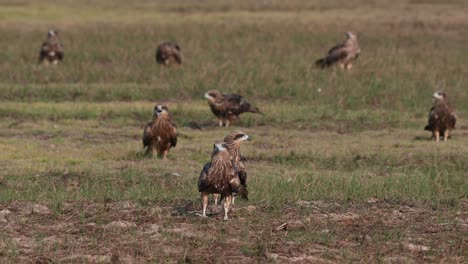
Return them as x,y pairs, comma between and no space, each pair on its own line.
255,110
322,63
243,193
329,60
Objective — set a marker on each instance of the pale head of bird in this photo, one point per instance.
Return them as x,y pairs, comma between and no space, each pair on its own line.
350,35
160,110
52,33
439,96
236,137
219,147
213,96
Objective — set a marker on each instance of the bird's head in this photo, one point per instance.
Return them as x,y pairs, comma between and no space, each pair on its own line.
213,95
219,147
160,110
439,96
350,35
52,33
236,137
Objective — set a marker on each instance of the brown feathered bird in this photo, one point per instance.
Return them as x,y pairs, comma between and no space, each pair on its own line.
168,53
442,117
161,133
227,107
233,142
219,176
343,54
51,49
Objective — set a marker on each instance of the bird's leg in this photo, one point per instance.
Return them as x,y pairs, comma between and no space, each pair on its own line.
348,66
233,199
437,135
164,154
215,197
227,203
446,134
342,66
220,122
55,62
228,121
204,198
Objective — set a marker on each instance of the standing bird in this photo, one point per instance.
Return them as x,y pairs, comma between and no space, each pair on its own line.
442,117
233,141
227,107
51,49
343,53
160,133
168,53
219,176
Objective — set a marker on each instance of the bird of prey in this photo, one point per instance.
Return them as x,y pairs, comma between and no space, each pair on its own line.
343,53
233,142
160,133
442,117
227,107
168,53
51,49
219,176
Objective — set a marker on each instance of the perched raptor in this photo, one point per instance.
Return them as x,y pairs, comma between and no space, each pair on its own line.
168,53
51,49
228,107
442,117
343,53
160,133
219,176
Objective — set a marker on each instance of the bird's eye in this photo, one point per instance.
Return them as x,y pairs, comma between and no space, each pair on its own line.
238,136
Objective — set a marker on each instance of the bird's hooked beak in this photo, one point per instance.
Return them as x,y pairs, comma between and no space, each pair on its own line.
247,138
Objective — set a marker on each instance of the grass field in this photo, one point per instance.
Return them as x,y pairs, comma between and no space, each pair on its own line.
341,158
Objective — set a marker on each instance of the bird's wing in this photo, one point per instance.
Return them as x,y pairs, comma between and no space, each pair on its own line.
236,104
453,118
202,183
430,119
233,98
337,52
147,134
173,135
44,46
59,50
177,55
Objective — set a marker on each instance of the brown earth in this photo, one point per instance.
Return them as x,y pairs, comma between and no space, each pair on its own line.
306,232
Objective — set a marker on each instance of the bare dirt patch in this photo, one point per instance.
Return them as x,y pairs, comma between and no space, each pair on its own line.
308,232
